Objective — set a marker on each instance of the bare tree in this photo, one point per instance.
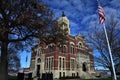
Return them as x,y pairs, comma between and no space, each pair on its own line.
21,22
96,37
13,58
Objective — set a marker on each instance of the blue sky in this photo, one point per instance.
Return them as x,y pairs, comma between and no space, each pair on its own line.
81,13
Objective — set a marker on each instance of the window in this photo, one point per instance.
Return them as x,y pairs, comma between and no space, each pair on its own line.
64,49
52,63
63,74
60,74
46,63
38,60
60,63
77,74
80,45
39,51
73,74
72,64
38,54
60,48
63,64
49,63
77,66
51,48
72,48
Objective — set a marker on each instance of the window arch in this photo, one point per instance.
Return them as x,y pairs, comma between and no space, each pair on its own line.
38,60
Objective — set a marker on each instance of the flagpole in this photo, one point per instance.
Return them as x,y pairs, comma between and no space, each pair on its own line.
111,58
26,59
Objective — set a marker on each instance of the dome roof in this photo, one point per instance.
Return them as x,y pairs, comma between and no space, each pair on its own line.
63,18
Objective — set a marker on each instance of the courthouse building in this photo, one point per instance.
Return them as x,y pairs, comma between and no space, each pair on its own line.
74,58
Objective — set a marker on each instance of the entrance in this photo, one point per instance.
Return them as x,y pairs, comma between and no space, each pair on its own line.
38,70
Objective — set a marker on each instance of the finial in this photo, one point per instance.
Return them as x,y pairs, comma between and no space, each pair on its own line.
63,15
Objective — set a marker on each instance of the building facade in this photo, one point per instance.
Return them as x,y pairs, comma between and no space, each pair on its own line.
73,58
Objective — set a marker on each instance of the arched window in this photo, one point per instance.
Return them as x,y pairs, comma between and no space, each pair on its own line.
72,48
51,48
39,52
64,49
38,60
60,48
80,45
84,67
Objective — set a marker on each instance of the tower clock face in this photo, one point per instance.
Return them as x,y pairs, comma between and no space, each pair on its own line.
65,25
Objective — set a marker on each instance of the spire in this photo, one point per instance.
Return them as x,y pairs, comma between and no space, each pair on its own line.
63,15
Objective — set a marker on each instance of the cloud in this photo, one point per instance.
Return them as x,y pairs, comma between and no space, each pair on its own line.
89,18
115,4
111,11
83,13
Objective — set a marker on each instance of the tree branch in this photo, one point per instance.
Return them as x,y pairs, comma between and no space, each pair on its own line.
22,39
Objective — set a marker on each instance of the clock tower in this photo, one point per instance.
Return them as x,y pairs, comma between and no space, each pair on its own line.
64,23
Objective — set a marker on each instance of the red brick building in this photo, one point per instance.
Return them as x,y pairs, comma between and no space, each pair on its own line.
74,58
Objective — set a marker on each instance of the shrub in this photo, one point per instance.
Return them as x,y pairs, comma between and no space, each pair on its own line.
70,77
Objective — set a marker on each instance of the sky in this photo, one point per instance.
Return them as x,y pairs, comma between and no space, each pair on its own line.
83,14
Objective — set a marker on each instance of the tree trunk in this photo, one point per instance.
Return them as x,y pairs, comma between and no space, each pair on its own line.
4,60
112,75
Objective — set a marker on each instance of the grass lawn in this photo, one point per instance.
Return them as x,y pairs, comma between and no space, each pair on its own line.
15,78
12,78
101,79
90,79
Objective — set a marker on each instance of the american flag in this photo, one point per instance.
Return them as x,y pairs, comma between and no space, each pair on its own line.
101,14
